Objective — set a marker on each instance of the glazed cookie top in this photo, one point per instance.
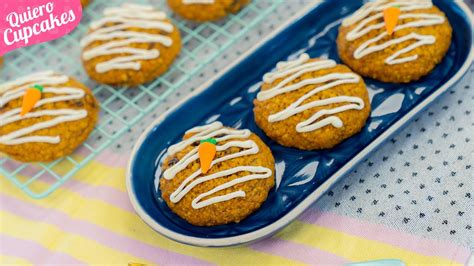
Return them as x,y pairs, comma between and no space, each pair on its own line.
14,91
230,144
288,78
122,27
367,24
206,10
202,2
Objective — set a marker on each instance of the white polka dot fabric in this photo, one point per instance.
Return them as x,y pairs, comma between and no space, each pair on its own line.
421,181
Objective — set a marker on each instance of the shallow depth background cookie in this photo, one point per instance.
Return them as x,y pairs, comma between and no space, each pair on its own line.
392,64
66,114
255,162
206,10
131,45
311,103
84,3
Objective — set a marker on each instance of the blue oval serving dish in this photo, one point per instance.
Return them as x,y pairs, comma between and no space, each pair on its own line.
302,176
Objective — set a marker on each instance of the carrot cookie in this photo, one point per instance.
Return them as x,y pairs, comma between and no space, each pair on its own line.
45,116
206,10
311,103
394,41
84,3
217,175
131,45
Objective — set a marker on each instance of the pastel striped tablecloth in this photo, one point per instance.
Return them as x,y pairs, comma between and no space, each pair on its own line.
90,220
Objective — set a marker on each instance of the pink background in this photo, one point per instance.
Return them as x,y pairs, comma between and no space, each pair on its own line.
19,6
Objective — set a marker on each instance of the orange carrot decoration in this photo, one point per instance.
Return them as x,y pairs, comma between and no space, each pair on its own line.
30,98
207,152
390,16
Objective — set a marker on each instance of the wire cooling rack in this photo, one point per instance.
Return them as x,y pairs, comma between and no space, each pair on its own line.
121,108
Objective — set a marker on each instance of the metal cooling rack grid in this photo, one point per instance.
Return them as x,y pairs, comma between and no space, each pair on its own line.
121,108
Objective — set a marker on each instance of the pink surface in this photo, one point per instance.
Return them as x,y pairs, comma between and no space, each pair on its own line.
34,252
306,254
97,233
24,23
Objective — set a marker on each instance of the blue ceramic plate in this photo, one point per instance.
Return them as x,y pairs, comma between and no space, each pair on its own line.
302,176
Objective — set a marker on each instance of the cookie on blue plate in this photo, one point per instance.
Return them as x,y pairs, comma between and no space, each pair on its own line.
217,175
311,104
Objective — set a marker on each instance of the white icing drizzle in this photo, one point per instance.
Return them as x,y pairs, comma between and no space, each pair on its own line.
362,17
14,90
213,130
204,2
120,36
295,69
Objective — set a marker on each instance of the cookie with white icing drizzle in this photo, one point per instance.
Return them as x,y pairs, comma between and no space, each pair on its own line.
131,45
237,183
419,42
206,10
311,103
60,121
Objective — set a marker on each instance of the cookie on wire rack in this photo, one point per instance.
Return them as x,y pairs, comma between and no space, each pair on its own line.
394,40
311,104
45,116
206,10
217,175
131,45
85,3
